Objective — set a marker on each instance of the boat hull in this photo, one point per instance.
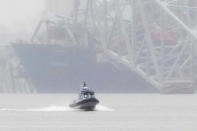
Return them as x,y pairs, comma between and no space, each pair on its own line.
85,104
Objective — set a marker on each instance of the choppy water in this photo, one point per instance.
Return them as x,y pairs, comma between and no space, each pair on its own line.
117,112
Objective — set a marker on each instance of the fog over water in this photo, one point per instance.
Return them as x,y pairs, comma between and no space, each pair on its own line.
116,112
134,54
18,18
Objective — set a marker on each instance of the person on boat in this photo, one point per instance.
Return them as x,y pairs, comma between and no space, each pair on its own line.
84,89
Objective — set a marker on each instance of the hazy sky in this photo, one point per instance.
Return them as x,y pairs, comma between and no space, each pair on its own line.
19,15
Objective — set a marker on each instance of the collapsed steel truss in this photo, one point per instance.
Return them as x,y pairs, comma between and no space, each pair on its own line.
155,38
10,77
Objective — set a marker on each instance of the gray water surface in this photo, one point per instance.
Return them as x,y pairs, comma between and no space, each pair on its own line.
117,112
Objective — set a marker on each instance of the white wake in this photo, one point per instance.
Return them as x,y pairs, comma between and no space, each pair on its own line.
55,108
103,108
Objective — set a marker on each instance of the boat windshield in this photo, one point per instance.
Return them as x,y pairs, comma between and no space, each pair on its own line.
86,95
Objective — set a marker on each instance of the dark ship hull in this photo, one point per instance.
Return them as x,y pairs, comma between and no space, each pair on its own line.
60,68
55,68
85,104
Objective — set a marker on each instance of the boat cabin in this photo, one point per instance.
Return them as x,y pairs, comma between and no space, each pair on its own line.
87,94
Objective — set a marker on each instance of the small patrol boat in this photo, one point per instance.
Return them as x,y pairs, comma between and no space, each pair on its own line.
86,101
